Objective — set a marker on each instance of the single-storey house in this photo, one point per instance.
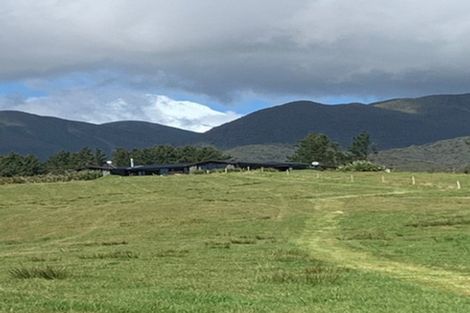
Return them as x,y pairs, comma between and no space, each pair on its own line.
165,169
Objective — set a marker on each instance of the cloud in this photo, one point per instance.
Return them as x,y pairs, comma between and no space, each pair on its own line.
186,114
224,49
85,105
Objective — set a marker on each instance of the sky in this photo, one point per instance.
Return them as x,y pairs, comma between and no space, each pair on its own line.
197,64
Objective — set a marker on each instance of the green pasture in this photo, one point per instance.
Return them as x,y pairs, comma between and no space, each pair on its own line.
239,242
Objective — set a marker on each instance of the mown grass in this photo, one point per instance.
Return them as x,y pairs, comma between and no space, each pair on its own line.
230,243
427,230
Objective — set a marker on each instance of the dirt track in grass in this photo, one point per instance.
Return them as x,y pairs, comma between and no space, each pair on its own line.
320,238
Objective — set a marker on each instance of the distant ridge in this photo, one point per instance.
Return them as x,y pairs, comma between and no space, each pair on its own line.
391,124
433,118
443,155
28,133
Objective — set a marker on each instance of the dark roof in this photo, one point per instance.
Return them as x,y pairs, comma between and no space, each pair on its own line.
104,167
182,166
293,165
158,167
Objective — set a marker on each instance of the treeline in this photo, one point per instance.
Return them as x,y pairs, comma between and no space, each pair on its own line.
320,148
167,155
14,164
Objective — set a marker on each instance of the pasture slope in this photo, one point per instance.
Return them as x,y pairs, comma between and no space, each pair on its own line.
238,242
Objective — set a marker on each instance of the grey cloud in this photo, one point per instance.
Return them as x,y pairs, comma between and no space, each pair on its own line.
223,48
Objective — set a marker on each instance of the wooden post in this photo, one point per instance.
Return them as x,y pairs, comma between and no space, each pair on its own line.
226,170
413,180
248,168
287,172
383,179
458,185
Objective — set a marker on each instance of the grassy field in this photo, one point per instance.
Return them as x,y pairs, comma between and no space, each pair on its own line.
238,242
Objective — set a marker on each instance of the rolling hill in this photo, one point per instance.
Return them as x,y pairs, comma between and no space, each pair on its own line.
27,133
443,155
263,242
391,124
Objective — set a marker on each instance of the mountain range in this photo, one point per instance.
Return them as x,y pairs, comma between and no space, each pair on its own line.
395,123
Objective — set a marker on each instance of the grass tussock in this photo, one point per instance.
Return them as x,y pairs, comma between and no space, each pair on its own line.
322,274
172,253
218,244
43,259
313,275
10,242
102,243
242,241
114,243
306,270
111,255
367,235
280,277
447,221
289,255
47,272
265,237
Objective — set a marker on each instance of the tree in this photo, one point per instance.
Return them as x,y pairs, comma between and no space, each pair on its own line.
59,162
165,154
121,157
64,161
83,158
318,148
360,147
15,164
100,157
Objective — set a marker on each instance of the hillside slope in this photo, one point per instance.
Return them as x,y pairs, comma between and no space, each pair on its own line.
262,153
444,155
392,124
27,133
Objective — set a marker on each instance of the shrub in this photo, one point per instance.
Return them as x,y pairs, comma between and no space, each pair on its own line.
50,178
361,166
